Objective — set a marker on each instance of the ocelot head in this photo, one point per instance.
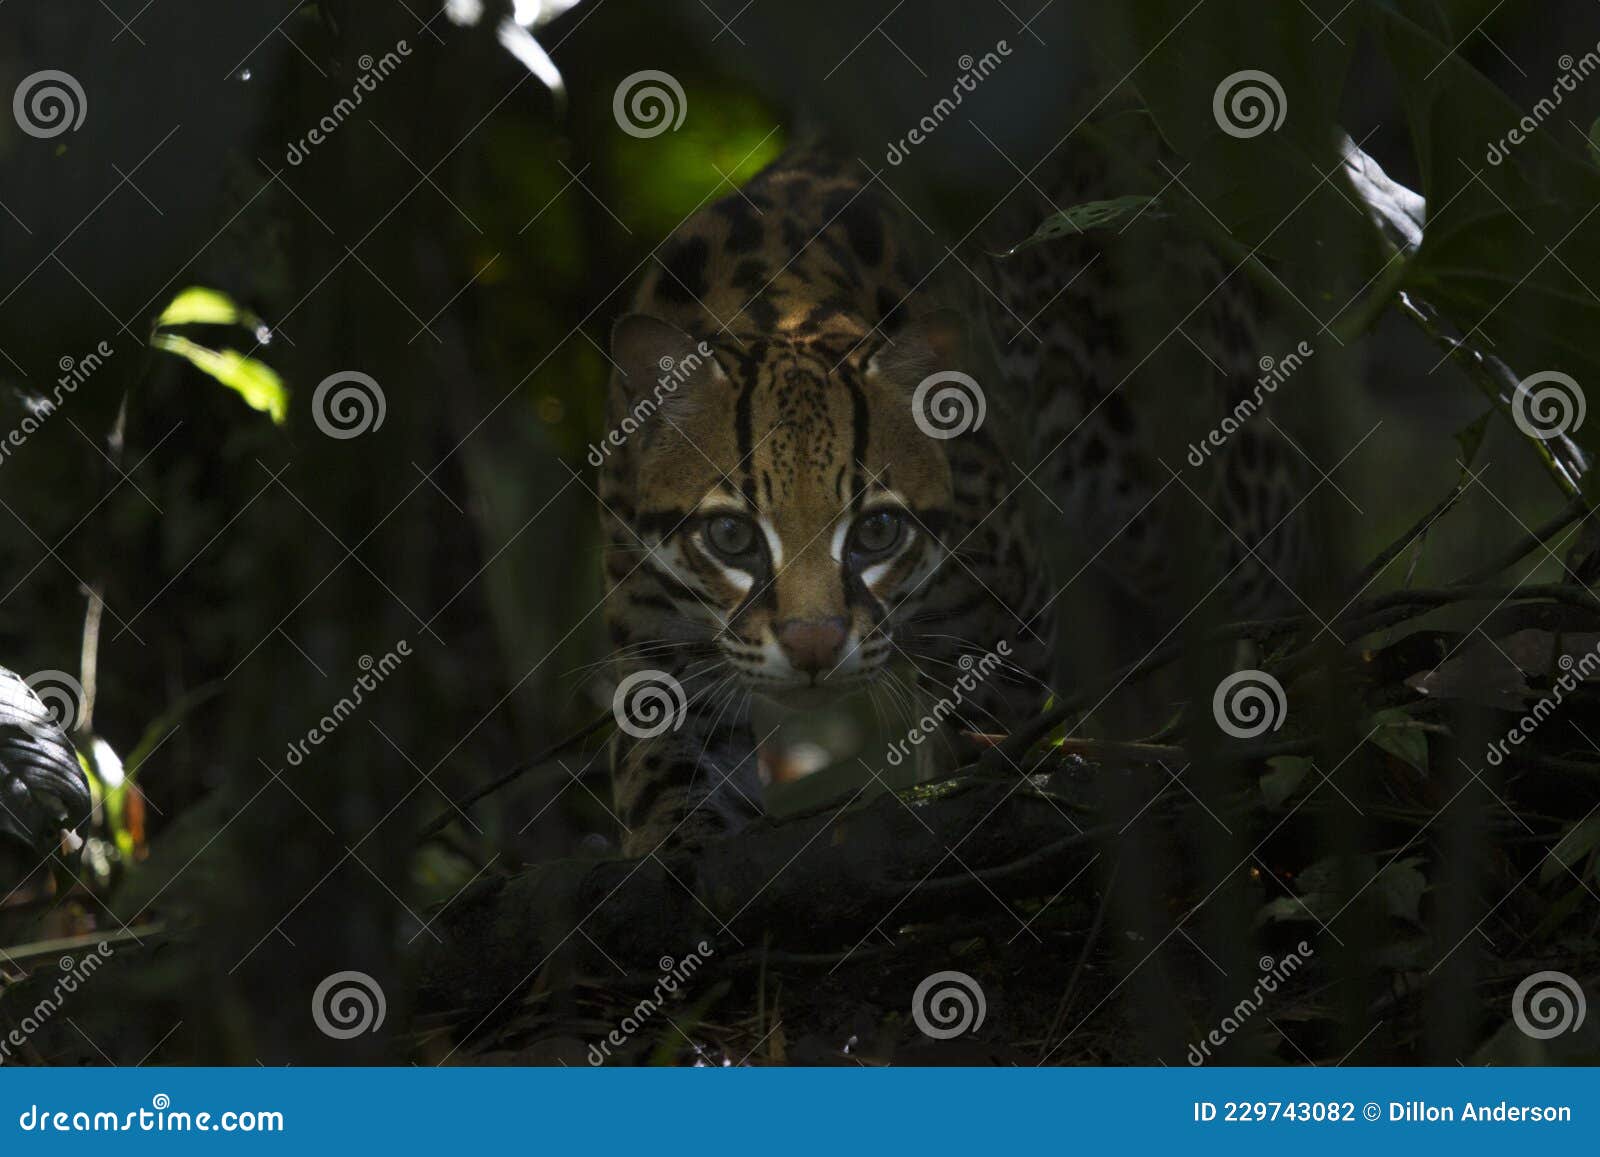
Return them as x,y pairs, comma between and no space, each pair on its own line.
790,503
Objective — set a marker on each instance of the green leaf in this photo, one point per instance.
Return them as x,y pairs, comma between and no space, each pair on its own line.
1401,736
1079,219
1328,886
155,734
1285,909
256,382
1470,438
1288,772
1575,843
197,305
1511,234
1401,885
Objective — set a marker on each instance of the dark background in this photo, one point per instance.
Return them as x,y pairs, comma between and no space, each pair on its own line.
465,238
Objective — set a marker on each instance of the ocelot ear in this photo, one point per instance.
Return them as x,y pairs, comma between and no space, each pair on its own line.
933,342
649,352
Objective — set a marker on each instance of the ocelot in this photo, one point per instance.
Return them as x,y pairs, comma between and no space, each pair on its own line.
825,455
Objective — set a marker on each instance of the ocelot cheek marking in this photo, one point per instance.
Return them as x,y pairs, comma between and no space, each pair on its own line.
726,586
888,579
675,583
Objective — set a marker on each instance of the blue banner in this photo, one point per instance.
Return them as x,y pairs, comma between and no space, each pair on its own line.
795,1110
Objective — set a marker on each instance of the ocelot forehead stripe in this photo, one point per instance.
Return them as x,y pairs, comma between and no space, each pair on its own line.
862,425
795,281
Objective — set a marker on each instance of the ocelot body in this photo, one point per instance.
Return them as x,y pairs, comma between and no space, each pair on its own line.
826,455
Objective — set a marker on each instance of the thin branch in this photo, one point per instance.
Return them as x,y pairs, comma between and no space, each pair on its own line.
443,820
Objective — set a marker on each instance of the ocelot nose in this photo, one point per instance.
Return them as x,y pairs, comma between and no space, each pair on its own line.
812,644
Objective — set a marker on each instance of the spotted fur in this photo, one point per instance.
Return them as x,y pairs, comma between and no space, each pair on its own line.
799,420
764,426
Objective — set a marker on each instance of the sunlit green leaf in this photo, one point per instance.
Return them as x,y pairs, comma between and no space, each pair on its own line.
256,382
197,305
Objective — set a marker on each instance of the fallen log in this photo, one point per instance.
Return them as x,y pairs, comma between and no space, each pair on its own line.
807,883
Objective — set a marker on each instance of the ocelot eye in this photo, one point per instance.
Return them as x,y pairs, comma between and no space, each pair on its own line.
731,536
877,533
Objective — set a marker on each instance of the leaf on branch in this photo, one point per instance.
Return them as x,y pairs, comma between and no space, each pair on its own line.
1470,438
200,306
1577,842
1479,673
1287,774
1401,736
256,382
1079,219
1329,886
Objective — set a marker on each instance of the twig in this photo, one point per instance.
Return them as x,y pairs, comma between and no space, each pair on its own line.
1361,619
1083,959
67,944
1387,555
443,820
1562,458
1575,510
